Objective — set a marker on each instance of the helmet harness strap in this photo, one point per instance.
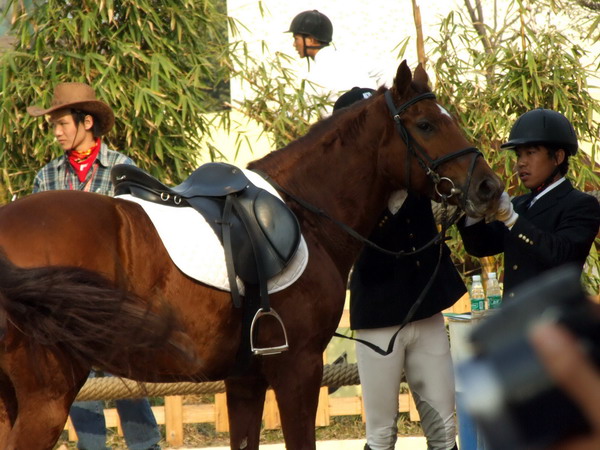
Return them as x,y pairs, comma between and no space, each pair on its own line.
548,181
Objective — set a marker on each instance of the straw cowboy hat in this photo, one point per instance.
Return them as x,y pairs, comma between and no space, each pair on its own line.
82,97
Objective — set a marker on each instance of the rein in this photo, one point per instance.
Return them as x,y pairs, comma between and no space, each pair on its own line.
351,231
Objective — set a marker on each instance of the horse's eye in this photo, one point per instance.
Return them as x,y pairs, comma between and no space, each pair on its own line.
424,126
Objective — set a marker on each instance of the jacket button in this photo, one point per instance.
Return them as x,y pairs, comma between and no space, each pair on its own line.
515,267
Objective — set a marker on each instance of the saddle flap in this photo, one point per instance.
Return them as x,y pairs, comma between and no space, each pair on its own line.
265,234
278,223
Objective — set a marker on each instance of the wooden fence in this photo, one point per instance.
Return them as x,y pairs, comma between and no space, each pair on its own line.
174,414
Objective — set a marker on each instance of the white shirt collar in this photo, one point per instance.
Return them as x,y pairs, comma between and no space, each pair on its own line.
545,191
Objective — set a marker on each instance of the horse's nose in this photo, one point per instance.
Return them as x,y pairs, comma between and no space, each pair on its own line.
489,189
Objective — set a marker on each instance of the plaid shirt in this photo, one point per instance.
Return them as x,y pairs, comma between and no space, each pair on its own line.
58,174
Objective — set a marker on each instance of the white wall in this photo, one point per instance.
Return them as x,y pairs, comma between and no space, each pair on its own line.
370,31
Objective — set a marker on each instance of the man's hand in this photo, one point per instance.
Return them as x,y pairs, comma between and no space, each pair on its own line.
505,212
575,373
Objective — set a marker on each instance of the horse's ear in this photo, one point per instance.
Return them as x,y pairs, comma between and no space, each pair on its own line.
421,77
403,78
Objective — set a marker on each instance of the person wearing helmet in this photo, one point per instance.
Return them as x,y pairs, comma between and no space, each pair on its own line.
384,291
312,31
330,72
554,223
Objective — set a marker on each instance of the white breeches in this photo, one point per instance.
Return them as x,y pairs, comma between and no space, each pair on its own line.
422,351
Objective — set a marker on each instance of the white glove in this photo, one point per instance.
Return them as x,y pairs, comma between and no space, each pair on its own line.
397,200
505,211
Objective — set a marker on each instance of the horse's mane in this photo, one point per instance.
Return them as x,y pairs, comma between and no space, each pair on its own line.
344,125
345,122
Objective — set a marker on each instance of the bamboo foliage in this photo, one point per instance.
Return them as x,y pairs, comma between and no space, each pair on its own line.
160,64
278,99
492,75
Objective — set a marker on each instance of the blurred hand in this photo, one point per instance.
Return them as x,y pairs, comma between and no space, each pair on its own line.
505,211
573,371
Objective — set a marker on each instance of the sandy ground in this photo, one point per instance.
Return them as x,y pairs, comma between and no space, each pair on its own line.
404,443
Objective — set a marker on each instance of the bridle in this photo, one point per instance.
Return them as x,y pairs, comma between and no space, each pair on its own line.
429,165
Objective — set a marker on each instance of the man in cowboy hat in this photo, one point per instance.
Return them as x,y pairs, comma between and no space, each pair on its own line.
79,120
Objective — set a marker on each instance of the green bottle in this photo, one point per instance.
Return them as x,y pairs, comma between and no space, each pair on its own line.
493,292
477,297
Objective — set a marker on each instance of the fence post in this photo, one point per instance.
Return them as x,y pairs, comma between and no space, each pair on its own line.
174,419
71,430
413,413
271,411
323,419
221,416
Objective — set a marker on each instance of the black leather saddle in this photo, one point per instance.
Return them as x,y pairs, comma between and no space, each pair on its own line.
259,233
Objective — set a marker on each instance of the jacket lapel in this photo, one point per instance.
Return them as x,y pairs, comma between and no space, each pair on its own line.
550,199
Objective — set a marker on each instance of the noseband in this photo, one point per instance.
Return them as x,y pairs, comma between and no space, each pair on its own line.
428,164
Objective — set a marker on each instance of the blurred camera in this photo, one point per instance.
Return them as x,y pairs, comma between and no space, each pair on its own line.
508,392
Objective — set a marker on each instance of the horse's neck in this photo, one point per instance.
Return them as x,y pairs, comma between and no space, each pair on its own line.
341,180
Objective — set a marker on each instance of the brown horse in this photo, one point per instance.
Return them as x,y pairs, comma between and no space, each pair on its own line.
87,282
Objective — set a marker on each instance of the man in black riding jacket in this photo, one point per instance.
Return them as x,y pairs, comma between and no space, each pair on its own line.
553,224
383,291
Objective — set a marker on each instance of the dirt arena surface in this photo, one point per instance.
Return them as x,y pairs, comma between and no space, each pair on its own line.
404,443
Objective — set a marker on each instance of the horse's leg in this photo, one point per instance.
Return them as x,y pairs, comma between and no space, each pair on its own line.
8,408
44,391
245,403
41,419
296,380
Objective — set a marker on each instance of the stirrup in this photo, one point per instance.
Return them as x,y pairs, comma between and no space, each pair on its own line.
267,350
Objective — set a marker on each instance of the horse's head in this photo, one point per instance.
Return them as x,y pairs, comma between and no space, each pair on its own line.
439,160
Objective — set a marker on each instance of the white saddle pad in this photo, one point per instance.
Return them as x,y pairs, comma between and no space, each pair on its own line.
197,251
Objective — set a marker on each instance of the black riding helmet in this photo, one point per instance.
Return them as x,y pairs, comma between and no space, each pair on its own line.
543,126
313,23
353,95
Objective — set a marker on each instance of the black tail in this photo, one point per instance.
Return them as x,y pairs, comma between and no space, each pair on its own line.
82,317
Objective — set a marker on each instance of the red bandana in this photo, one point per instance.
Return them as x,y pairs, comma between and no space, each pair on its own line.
83,161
